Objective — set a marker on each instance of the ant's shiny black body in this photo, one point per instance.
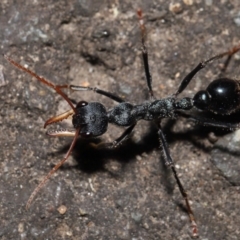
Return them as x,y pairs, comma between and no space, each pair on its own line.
222,96
91,119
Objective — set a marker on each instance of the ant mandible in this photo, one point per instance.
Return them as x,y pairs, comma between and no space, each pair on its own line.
90,119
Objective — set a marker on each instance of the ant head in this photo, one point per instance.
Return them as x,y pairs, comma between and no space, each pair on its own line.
91,118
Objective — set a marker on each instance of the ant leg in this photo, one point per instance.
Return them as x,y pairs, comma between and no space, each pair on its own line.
209,122
226,63
99,91
145,53
202,65
46,178
80,88
169,162
125,135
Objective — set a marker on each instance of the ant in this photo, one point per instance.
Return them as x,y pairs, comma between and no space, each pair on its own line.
91,119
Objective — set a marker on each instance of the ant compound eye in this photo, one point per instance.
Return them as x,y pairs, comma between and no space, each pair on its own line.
86,134
82,104
201,100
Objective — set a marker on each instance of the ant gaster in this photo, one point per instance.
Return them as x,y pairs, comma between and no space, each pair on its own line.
91,119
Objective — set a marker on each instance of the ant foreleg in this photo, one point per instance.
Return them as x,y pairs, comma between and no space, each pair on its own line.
80,88
97,90
145,53
46,178
169,162
202,65
125,135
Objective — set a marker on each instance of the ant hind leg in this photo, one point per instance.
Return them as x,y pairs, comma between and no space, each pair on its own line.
203,64
170,163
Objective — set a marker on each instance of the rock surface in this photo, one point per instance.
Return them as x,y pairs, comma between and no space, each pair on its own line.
125,193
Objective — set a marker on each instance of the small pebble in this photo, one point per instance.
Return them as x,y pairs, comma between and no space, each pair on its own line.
175,7
62,209
188,2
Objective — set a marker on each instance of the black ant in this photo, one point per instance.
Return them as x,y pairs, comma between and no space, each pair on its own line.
91,119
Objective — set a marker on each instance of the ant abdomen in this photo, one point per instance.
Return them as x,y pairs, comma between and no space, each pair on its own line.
91,118
222,96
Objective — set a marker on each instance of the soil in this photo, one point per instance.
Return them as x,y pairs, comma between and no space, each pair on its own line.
123,193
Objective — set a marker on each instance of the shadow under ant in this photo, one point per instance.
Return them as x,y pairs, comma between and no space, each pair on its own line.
91,119
91,159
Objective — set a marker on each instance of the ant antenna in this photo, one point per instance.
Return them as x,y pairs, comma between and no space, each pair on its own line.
46,178
57,88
